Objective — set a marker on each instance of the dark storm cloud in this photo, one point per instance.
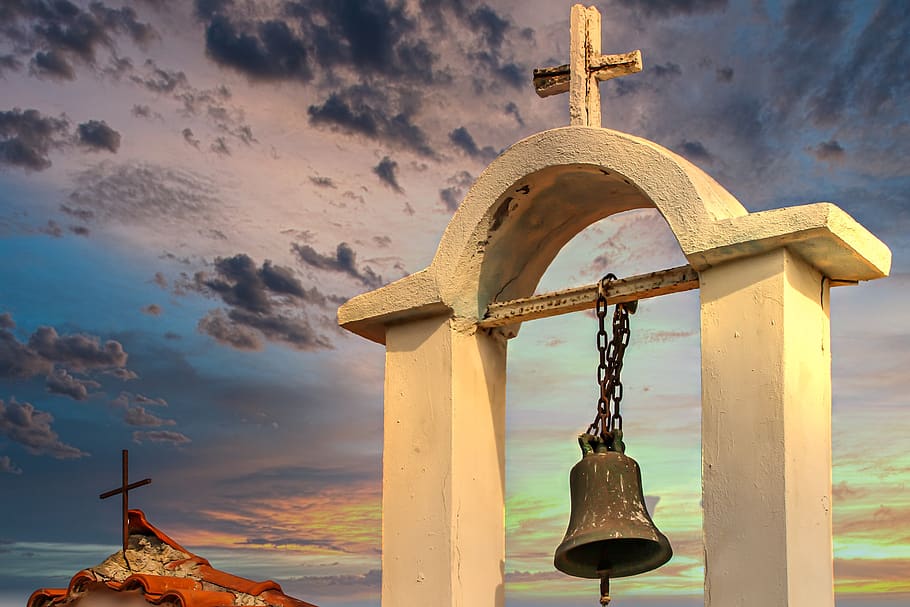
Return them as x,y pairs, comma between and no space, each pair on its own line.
675,8
7,465
51,64
267,50
265,304
362,110
170,437
27,137
813,38
828,151
31,428
694,151
387,171
344,260
142,193
6,321
9,63
875,76
465,142
61,382
240,283
295,332
452,195
60,33
512,110
667,70
97,135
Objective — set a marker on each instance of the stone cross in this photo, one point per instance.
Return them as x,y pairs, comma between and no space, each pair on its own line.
124,490
586,67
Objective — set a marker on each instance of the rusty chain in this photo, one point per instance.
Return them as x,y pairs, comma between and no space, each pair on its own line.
611,353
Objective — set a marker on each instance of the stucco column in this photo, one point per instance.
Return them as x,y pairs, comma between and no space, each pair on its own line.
443,470
766,433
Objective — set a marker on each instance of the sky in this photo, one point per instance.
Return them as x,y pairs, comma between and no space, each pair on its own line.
188,190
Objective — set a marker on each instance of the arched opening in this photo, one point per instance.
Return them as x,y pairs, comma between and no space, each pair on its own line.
551,395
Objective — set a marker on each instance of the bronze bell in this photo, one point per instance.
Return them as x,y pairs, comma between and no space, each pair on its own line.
610,532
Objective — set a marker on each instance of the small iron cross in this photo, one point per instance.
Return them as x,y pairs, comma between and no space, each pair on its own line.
124,490
585,68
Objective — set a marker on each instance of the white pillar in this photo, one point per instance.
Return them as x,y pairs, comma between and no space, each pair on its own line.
766,433
443,471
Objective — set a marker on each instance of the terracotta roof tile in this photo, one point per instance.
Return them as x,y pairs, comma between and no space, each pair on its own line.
189,581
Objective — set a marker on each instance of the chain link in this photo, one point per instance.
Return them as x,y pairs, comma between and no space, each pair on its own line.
611,353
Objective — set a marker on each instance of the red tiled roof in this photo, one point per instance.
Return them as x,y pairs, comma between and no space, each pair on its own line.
193,581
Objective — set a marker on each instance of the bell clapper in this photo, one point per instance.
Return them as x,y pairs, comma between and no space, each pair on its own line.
605,591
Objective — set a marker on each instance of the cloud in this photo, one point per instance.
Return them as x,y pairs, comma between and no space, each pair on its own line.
323,182
239,282
170,437
152,310
61,34
344,260
694,151
51,64
78,351
465,142
367,111
140,110
724,74
452,195
676,8
220,147
160,80
872,79
27,137
61,382
387,170
97,135
139,416
216,324
265,304
7,465
31,428
512,110
142,193
6,321
828,151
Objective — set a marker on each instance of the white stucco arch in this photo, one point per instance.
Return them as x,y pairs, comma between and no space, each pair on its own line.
766,390
542,191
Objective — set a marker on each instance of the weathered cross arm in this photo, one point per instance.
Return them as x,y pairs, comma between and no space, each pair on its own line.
555,80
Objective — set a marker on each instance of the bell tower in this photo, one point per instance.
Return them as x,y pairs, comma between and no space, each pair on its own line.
764,281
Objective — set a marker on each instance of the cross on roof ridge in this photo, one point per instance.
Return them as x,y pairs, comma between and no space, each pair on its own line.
124,490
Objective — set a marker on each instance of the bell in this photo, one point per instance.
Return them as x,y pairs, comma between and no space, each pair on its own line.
610,532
